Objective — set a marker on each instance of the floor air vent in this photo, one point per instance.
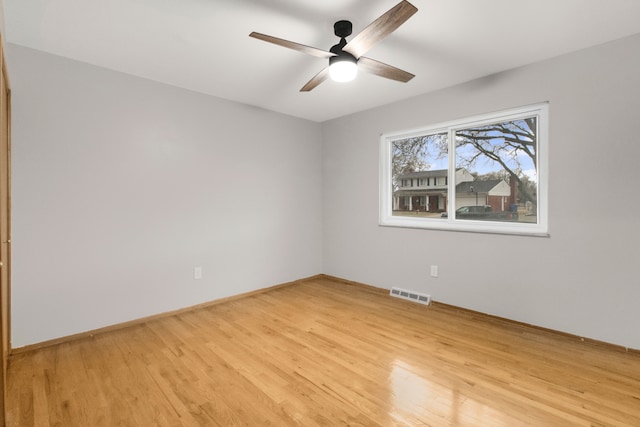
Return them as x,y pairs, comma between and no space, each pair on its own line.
411,296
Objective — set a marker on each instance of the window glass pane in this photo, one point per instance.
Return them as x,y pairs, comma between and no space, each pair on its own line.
486,173
419,167
496,175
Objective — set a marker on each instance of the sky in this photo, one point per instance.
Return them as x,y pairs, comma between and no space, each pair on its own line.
515,159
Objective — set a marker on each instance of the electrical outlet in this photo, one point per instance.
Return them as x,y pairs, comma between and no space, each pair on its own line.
434,271
197,273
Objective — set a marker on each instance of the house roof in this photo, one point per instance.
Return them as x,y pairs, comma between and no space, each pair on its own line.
478,186
424,174
463,187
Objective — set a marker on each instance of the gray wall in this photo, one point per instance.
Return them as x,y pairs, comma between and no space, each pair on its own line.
584,279
122,186
2,20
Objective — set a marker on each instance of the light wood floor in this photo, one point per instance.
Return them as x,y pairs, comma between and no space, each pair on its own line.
325,353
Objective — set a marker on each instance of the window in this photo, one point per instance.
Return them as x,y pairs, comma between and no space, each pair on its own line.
497,164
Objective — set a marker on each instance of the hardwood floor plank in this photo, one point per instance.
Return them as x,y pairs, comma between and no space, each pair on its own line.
324,353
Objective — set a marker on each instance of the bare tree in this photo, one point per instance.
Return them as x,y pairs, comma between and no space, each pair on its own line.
505,144
414,154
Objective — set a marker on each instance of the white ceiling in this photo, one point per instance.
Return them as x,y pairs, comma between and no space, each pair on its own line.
203,45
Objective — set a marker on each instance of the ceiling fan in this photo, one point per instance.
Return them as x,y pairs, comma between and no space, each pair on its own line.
345,58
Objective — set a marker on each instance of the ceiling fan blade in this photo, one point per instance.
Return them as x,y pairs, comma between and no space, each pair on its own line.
383,70
293,45
380,28
316,80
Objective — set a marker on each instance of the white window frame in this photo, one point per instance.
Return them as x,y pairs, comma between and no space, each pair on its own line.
541,228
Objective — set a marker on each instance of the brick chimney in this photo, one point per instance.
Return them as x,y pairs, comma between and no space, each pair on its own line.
513,185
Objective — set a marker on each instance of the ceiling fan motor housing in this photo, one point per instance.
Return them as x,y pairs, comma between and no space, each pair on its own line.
342,56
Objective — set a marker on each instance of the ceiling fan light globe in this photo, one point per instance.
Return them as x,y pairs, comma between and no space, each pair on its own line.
343,71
